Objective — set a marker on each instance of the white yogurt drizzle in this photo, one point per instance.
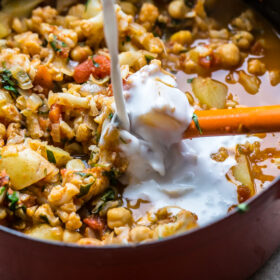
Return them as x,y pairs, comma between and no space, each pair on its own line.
163,169
112,39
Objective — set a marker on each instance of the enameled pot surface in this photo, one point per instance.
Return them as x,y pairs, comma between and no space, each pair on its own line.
232,248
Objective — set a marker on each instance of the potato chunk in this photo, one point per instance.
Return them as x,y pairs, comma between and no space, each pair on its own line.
209,92
25,167
46,232
242,173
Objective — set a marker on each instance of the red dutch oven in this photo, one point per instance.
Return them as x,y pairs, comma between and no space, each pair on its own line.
231,248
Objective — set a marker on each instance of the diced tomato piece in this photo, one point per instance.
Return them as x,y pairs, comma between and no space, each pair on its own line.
43,77
4,178
102,66
44,123
83,71
205,61
99,66
55,113
95,223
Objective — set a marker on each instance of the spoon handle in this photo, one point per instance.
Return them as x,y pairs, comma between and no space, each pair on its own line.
112,39
235,121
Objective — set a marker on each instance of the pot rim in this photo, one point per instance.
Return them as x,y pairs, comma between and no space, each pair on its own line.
186,234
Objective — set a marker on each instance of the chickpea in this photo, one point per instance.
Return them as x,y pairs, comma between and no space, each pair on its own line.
118,217
274,76
219,34
128,8
140,233
243,39
177,9
81,53
229,54
148,15
256,67
182,37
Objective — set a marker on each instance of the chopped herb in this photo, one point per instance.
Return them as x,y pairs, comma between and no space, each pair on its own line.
110,116
95,64
127,38
45,171
242,207
189,81
174,72
109,195
82,174
112,175
57,44
8,82
195,119
123,141
2,189
13,198
99,165
148,58
84,190
86,5
183,51
44,218
54,46
51,157
208,58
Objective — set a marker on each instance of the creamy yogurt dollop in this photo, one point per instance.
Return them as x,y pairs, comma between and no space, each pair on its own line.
163,168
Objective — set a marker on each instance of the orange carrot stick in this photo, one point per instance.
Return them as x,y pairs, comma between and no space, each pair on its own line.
235,121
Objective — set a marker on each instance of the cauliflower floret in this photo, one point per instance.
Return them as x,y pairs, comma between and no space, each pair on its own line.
184,221
148,15
53,33
60,195
40,15
74,222
45,214
29,42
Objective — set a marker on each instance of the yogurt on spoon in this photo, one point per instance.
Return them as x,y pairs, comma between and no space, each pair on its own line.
163,168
